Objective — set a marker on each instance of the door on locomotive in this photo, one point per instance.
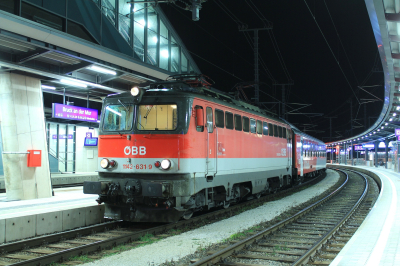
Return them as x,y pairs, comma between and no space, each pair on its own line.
211,160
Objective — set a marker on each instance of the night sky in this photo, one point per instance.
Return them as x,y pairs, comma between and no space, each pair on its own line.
225,55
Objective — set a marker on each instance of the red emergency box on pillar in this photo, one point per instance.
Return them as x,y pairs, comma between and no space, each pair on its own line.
34,158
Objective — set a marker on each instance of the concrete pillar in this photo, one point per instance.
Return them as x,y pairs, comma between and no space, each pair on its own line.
23,128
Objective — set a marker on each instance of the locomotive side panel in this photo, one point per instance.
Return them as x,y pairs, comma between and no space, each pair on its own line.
242,156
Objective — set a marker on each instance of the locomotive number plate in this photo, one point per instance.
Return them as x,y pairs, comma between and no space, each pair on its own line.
138,166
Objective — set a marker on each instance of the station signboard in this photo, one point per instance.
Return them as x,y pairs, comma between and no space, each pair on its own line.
397,131
368,146
74,113
62,136
358,148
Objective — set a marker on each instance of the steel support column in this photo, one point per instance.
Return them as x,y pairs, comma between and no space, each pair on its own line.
386,152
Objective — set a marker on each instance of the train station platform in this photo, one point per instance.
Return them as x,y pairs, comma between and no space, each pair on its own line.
59,180
69,208
377,241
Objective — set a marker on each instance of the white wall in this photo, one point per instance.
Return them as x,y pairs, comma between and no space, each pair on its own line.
86,156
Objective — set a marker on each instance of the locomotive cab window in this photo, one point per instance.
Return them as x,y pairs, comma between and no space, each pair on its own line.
246,127
259,127
157,117
229,120
265,128
219,118
252,125
238,122
118,117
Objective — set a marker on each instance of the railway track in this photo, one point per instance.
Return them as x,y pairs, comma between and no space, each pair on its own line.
62,246
314,235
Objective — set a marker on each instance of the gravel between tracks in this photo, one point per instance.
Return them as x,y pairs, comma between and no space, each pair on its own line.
176,247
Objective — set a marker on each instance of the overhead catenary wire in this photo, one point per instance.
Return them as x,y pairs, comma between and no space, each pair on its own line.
233,75
272,36
341,43
333,54
221,42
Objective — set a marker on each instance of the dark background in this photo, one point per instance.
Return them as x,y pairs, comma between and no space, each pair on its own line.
327,77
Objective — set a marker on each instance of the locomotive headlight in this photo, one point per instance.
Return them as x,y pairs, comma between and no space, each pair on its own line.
165,164
135,91
104,163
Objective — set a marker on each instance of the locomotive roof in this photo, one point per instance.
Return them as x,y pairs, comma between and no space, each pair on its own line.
174,88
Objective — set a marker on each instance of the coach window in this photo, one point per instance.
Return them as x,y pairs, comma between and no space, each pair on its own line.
252,125
238,122
284,133
265,128
246,121
270,129
219,118
280,131
229,120
259,127
276,133
209,114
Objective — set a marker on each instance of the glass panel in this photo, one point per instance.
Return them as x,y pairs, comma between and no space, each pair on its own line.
209,120
229,120
138,30
164,54
109,9
174,56
184,63
238,122
53,140
152,36
41,16
70,149
265,128
118,117
246,121
1,157
276,133
124,19
8,6
259,127
62,148
157,117
252,125
219,118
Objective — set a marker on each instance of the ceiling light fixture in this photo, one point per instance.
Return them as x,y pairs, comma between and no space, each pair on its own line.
102,70
48,87
74,83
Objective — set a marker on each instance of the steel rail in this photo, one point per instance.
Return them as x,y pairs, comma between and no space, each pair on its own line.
228,251
127,238
317,246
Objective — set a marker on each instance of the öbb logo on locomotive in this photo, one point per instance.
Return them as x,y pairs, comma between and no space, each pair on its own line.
134,150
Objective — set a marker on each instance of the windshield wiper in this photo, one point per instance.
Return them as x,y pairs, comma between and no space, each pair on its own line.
126,108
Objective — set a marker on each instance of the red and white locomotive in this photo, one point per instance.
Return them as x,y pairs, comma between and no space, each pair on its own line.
178,147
